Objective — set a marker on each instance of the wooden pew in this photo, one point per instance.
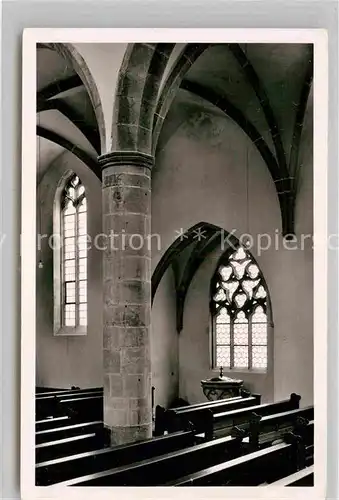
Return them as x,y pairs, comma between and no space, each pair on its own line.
69,393
47,406
151,472
62,469
175,419
79,408
304,477
51,423
161,413
83,409
44,390
170,466
54,434
265,429
220,424
249,470
216,402
66,446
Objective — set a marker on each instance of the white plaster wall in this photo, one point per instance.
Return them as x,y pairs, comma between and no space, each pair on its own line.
200,175
164,343
294,316
65,361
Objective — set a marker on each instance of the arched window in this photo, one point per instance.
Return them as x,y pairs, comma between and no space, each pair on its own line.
239,310
74,254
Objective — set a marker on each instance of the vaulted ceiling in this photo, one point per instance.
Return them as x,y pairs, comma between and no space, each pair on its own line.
65,115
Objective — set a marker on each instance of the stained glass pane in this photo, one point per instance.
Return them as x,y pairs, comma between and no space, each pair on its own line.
223,333
260,294
82,269
69,209
221,295
69,270
225,272
82,224
239,268
240,333
70,292
259,333
82,242
82,291
69,221
71,192
75,180
69,248
69,226
230,288
253,270
223,356
240,357
83,314
259,356
240,318
223,316
248,286
240,299
83,206
259,316
70,315
239,254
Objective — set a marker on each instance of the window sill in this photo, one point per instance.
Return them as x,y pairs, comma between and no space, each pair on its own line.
71,331
229,371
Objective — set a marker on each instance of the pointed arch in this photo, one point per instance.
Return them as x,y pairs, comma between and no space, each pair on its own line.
241,313
70,256
75,60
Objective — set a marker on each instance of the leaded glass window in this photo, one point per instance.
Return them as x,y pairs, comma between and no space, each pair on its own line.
74,249
239,308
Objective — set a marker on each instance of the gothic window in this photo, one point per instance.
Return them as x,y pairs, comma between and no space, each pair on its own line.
74,254
239,309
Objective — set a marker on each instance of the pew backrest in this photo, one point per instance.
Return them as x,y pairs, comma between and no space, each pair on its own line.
66,446
262,428
83,408
52,422
152,472
241,416
176,419
49,435
65,468
68,394
232,471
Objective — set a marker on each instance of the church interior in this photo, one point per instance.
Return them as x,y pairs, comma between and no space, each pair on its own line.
174,279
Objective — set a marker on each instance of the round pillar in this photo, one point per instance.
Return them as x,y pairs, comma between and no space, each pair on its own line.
126,192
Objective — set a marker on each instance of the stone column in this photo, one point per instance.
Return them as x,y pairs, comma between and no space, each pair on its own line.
126,184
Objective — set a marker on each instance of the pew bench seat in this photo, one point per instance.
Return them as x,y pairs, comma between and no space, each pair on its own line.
304,477
248,470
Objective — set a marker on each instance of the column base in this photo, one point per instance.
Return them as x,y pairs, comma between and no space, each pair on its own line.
123,435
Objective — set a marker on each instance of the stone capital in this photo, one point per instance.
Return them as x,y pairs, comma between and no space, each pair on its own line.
129,158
